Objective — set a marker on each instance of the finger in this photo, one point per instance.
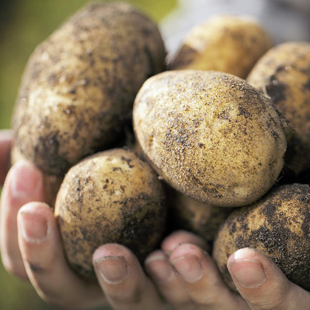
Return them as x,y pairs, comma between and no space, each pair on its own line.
46,266
162,273
6,137
197,272
263,285
160,270
23,184
181,236
123,281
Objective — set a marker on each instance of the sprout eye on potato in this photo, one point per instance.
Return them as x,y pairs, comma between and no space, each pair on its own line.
283,73
110,197
79,85
210,135
226,43
278,226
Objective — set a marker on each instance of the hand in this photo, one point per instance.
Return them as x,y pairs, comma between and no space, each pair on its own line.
5,148
188,278
31,249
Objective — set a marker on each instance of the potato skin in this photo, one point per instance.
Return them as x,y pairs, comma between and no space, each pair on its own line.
194,216
278,226
79,85
110,197
226,43
283,73
210,135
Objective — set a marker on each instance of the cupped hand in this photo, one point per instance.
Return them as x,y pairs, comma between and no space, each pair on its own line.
31,249
188,278
183,271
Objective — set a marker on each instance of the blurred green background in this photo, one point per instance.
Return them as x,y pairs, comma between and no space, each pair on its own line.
23,25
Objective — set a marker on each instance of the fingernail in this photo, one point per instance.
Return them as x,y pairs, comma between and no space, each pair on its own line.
33,227
188,267
25,179
113,269
159,268
249,273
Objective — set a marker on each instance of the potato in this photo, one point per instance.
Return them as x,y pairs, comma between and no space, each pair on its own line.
194,216
226,43
284,74
138,150
210,135
278,226
51,182
110,197
79,85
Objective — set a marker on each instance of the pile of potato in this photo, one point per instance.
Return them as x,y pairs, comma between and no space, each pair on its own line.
218,152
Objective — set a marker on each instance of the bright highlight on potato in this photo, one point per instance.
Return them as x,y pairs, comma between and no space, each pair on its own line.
210,135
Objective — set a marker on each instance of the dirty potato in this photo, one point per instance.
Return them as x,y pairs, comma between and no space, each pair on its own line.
283,73
79,85
194,216
278,226
110,197
226,43
210,135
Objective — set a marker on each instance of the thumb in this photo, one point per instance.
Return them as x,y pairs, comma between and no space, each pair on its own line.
263,285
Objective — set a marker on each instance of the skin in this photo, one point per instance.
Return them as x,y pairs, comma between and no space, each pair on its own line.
84,82
283,74
226,43
5,149
51,182
57,284
210,135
